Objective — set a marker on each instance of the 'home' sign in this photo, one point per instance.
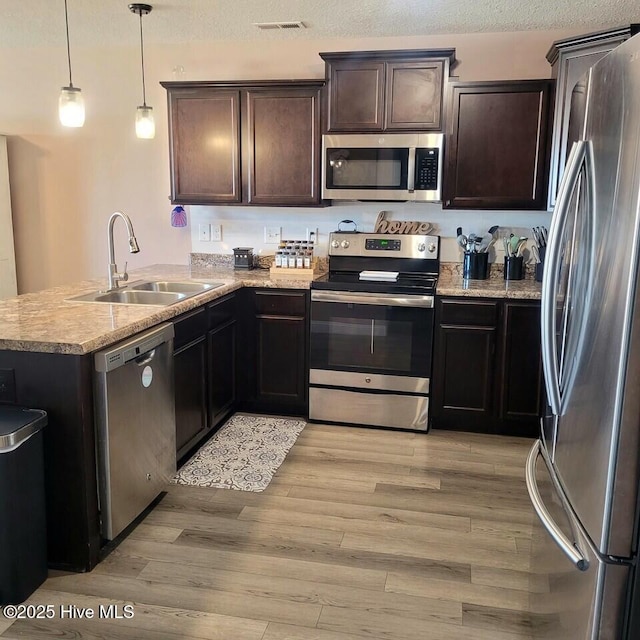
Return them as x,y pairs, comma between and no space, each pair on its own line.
403,227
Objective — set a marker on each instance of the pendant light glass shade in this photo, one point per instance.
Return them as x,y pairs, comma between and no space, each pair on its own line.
70,102
71,107
145,124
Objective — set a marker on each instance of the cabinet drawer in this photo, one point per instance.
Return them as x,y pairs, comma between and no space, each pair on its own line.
280,303
483,314
189,326
222,311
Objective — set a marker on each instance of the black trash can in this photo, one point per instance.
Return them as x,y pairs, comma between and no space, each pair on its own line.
23,532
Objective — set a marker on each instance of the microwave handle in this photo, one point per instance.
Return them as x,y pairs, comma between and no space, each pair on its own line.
411,170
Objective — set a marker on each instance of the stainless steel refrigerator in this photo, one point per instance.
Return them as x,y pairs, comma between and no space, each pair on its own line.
583,472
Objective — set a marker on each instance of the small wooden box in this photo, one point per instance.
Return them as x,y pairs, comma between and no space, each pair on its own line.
278,273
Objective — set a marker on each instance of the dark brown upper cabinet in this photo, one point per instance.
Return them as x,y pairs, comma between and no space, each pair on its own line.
497,152
570,59
245,143
386,90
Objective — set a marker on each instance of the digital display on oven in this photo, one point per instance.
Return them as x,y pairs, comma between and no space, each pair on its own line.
378,244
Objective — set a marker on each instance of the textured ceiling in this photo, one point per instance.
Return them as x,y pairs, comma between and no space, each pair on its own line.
31,23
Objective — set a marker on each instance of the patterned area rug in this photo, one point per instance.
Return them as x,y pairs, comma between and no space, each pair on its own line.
244,454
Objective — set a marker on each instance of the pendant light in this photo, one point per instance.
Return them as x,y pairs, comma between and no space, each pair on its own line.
71,102
145,124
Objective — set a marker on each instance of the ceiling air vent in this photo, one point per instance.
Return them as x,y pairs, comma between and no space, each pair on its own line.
264,26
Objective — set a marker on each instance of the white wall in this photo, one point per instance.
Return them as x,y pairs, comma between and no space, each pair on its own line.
66,183
8,286
244,226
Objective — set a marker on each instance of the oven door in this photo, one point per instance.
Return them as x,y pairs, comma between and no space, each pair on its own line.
384,334
370,359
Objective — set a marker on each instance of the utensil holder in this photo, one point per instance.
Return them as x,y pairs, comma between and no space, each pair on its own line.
540,265
475,265
513,268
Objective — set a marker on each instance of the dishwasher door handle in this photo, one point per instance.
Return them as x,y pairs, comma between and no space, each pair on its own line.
145,358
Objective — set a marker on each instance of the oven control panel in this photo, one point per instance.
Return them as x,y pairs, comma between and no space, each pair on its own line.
383,246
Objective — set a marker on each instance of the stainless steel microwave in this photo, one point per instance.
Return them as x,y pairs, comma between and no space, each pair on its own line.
385,166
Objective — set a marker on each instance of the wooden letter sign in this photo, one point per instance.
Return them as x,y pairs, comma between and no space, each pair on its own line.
400,226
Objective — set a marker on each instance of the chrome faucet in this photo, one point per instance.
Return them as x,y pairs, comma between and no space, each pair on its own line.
114,276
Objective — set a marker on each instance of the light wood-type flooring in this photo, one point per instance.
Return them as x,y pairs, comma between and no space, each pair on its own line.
362,533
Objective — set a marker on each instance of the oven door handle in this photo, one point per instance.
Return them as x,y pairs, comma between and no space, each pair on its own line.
380,299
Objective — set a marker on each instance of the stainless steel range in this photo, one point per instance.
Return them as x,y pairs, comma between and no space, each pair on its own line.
372,331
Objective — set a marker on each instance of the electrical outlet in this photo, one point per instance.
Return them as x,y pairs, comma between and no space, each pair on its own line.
204,232
312,235
216,232
272,235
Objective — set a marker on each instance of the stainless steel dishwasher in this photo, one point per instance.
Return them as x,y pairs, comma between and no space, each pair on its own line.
135,421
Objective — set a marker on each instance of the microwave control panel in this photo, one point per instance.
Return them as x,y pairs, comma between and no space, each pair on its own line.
427,169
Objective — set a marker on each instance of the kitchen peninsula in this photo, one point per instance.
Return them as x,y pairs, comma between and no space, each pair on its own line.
46,346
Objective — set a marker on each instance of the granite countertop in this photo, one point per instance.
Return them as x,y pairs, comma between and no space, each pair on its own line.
455,285
47,322
451,283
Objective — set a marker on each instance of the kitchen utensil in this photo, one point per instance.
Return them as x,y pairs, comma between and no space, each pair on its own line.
536,234
506,245
491,240
462,239
513,244
544,234
520,246
536,254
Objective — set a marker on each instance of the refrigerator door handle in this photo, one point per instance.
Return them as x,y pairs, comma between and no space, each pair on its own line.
549,278
565,544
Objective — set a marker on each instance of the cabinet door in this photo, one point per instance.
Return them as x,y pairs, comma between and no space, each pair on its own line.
414,95
571,59
498,150
274,354
465,372
283,146
222,371
281,362
463,395
204,139
356,96
190,362
521,386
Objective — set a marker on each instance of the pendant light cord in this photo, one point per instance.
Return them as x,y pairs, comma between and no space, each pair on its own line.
66,20
144,93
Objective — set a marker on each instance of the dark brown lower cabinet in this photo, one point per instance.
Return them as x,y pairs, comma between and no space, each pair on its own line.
222,371
190,369
276,351
205,371
487,373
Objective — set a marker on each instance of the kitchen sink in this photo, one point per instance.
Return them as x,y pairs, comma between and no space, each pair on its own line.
176,287
161,293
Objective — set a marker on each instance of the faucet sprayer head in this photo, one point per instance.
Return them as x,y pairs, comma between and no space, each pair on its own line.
133,245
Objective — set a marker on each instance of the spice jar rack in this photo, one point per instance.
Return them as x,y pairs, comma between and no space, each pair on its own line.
294,260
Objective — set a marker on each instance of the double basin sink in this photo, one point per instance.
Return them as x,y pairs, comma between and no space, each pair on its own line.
163,293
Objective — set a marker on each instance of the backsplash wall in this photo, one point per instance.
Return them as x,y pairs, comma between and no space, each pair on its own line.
244,226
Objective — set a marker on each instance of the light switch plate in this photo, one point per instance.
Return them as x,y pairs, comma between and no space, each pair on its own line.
272,235
204,232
